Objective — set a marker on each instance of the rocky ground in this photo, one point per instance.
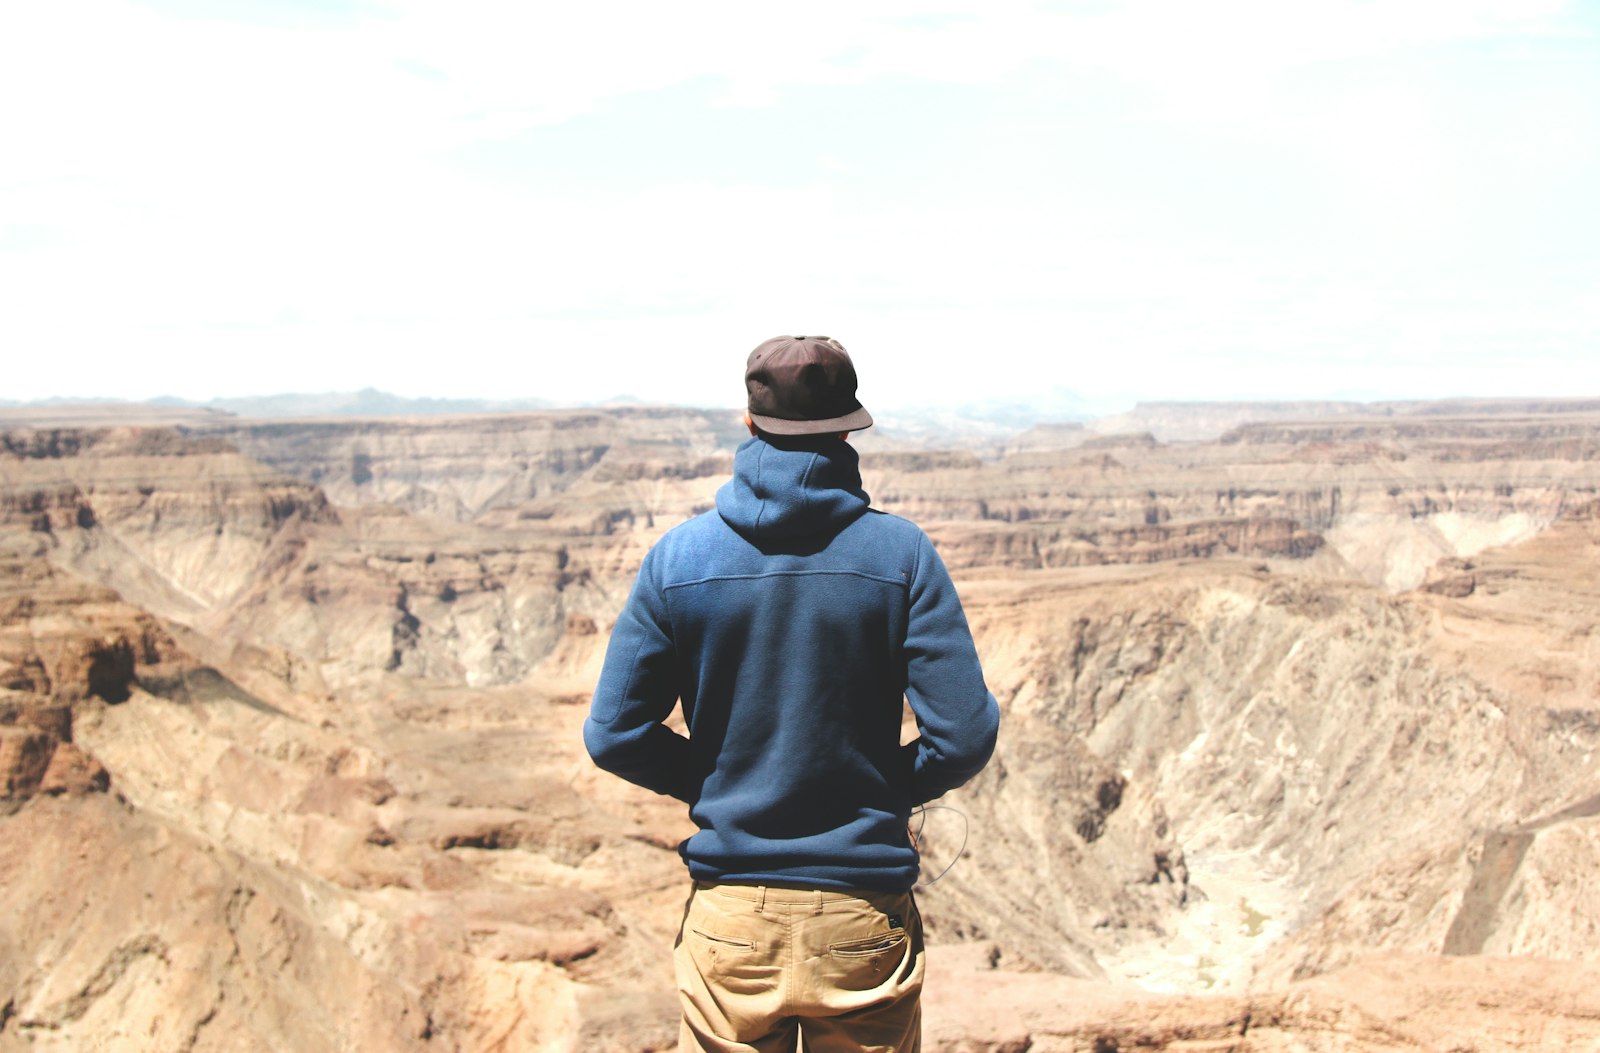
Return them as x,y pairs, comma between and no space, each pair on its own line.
1299,748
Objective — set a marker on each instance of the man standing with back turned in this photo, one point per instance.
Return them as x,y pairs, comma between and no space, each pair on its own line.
793,623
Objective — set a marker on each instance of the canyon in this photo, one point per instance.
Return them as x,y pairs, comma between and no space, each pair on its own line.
1301,713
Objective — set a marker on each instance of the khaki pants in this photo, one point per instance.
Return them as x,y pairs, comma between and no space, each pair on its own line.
760,967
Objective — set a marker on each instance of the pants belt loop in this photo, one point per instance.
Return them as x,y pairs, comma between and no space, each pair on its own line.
818,908
761,898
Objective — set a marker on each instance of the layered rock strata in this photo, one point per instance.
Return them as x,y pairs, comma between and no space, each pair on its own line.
349,808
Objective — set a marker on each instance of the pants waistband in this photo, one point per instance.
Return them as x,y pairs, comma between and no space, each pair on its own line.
789,895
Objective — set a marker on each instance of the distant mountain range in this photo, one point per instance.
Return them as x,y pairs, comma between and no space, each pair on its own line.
992,421
981,421
368,402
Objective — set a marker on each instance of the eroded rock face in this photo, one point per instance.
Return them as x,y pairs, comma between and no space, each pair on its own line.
1327,757
65,645
349,808
459,468
1380,501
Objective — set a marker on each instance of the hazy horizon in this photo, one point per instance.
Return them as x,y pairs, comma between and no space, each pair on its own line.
1006,415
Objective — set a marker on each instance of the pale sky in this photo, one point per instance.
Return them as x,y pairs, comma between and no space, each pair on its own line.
983,199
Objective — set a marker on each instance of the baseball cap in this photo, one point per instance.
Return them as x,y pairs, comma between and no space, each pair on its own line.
803,385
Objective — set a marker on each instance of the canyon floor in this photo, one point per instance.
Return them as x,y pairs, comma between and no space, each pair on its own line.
1301,713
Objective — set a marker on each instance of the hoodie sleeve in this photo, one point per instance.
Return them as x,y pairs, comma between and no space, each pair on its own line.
637,691
957,716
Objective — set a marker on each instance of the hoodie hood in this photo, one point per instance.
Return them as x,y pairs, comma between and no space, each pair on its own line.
785,492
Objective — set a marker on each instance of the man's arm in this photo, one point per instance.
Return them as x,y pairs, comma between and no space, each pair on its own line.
638,688
957,716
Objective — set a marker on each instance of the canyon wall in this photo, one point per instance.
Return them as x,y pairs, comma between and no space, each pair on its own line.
291,711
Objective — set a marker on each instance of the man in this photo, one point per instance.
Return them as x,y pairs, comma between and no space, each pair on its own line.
793,622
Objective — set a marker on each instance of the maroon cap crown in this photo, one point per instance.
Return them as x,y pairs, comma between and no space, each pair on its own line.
803,385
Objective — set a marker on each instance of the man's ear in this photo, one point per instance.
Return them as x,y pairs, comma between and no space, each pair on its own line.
748,423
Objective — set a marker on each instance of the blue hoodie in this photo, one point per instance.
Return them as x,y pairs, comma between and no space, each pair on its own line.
792,623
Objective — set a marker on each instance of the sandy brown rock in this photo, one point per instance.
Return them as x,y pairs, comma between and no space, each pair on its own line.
25,755
1394,1004
65,645
191,948
72,771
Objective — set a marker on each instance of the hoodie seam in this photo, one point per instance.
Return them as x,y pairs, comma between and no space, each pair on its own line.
805,487
884,579
761,502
